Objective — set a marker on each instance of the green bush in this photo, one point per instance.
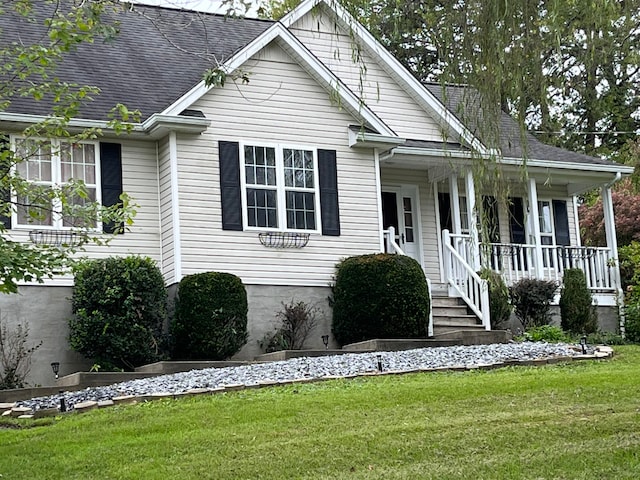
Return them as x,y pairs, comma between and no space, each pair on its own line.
629,260
499,306
577,311
210,318
605,338
531,300
630,272
119,307
545,333
379,296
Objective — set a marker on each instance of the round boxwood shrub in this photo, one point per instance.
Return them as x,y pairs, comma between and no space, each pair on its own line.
210,317
379,296
119,307
577,312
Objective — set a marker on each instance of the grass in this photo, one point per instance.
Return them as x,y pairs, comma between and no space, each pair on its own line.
574,421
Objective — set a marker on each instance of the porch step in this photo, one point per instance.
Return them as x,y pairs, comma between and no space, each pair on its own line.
451,312
475,336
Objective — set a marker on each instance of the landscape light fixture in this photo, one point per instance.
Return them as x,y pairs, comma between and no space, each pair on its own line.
379,363
583,344
63,404
55,366
325,340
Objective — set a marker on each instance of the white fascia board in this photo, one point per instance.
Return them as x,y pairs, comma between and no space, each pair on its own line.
27,119
278,32
614,168
368,139
159,125
447,119
300,11
534,163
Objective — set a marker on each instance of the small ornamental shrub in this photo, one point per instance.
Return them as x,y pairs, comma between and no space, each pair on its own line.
545,333
531,300
297,319
605,338
119,307
578,314
379,296
499,306
210,318
15,355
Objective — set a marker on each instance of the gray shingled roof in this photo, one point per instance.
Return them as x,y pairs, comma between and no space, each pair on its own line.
158,56
513,144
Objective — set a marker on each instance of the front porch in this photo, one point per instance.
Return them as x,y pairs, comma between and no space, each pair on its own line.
438,222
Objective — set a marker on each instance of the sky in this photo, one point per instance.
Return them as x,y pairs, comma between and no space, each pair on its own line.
213,6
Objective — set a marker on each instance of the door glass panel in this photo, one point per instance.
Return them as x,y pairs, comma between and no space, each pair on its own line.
408,219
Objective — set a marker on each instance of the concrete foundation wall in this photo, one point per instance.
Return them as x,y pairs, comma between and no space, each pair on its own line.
46,311
608,320
266,301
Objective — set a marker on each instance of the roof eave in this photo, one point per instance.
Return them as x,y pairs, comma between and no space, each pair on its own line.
362,139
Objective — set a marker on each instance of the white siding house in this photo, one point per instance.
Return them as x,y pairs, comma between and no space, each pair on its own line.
303,140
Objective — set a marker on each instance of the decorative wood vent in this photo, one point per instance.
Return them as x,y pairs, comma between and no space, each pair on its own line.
284,239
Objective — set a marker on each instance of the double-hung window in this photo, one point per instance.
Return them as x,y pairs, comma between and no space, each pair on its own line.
48,164
280,188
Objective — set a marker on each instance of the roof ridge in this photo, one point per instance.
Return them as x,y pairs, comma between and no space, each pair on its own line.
132,5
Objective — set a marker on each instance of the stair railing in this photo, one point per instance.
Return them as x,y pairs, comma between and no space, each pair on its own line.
464,281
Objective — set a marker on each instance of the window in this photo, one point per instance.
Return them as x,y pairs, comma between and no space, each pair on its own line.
281,187
48,164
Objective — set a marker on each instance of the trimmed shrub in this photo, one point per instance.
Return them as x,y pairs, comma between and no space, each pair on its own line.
119,307
210,318
499,306
379,296
577,312
531,300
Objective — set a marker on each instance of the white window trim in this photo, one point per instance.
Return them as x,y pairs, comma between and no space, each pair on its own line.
56,180
280,187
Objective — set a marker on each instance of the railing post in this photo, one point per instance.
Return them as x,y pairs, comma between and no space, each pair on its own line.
446,240
390,235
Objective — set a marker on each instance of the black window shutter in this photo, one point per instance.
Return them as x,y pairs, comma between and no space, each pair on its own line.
5,193
516,220
444,207
231,196
111,180
328,183
561,222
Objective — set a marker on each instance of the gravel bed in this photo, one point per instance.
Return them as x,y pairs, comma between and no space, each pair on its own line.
308,367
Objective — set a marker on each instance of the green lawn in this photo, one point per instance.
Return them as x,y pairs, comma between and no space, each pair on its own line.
579,421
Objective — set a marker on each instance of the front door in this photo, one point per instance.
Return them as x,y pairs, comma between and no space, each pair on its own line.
399,210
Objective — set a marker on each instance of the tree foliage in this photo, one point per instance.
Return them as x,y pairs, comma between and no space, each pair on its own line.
29,73
569,70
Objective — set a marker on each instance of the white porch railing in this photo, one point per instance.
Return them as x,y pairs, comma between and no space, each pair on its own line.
517,261
462,278
391,246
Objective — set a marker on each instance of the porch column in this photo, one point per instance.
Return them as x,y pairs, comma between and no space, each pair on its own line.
534,225
610,232
456,225
472,215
